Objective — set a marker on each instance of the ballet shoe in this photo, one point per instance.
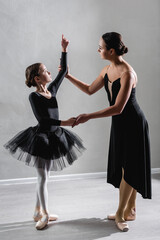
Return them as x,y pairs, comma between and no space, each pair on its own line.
130,217
123,226
53,217
111,217
38,216
42,223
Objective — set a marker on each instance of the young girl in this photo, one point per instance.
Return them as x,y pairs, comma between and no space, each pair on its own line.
129,152
46,146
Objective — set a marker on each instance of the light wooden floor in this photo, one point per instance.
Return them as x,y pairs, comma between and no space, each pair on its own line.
82,206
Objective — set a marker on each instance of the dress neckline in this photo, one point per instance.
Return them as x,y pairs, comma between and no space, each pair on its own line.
112,81
116,80
43,95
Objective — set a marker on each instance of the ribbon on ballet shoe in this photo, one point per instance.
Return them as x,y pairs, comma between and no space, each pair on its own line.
37,216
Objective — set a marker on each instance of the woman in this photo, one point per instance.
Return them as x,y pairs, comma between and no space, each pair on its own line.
46,146
129,151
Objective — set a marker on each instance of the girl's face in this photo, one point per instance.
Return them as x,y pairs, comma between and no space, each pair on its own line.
104,53
44,75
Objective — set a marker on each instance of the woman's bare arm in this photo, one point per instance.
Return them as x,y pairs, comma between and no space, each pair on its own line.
86,88
127,82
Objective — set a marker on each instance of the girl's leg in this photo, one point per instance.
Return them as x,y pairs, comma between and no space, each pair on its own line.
42,198
37,212
42,191
37,206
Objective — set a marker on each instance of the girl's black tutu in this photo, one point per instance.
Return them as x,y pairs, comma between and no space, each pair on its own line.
52,150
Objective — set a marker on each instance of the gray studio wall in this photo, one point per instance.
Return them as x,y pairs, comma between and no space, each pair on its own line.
31,32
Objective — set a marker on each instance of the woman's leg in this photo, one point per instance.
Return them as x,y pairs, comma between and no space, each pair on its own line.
130,211
127,208
125,192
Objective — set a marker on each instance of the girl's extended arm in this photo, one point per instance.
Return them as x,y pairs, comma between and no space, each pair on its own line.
53,87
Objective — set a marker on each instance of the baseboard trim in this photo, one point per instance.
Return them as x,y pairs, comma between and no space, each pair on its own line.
68,177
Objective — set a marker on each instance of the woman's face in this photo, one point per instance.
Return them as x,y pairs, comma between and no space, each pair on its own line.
102,49
44,75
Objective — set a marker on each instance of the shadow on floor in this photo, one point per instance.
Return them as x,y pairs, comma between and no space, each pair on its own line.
79,229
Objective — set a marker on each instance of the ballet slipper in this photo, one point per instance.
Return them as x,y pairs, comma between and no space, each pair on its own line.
111,217
37,216
130,217
123,226
53,217
42,223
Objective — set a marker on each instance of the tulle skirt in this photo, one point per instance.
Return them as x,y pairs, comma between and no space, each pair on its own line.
51,150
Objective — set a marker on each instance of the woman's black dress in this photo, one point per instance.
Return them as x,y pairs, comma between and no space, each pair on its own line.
47,145
129,144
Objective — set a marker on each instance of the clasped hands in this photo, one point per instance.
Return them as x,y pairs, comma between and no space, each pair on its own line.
82,118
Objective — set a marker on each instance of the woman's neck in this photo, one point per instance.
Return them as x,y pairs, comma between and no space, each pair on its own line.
117,60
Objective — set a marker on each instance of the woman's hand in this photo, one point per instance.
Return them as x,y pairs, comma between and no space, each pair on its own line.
67,74
64,43
82,118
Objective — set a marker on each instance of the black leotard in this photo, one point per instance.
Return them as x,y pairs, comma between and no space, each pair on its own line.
46,110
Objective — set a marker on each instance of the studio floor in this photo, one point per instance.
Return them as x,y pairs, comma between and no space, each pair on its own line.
82,206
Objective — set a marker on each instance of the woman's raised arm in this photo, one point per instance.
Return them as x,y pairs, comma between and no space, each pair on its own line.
86,88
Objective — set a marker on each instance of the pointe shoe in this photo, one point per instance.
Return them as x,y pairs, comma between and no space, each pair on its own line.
42,223
130,217
37,216
53,217
123,226
111,217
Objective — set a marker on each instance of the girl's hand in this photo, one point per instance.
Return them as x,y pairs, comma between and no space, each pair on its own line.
82,118
64,43
68,122
71,121
59,69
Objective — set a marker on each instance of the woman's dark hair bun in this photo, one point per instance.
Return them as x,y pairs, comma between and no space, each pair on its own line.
124,50
114,40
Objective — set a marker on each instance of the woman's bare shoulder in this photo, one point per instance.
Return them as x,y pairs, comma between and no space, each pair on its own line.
104,71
